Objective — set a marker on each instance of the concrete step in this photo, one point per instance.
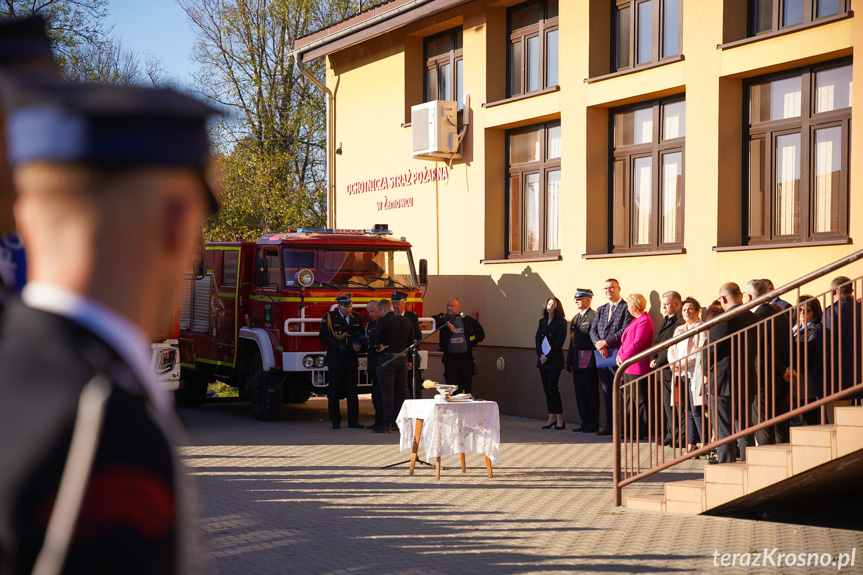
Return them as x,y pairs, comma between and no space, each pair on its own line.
849,415
655,502
849,430
685,496
723,482
811,446
766,465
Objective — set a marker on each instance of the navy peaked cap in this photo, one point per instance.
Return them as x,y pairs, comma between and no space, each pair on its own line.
399,296
344,301
583,292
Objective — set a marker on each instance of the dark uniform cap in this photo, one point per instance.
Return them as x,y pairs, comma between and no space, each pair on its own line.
583,292
23,42
105,125
344,301
399,296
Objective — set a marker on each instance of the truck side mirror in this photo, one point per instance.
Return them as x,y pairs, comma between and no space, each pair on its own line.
424,273
262,271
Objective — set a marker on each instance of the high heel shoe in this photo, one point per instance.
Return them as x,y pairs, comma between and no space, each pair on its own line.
561,427
549,426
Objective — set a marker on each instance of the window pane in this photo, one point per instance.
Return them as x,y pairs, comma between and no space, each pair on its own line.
833,89
523,17
828,168
445,78
621,32
553,150
672,197
670,28
431,84
620,216
552,211
642,200
826,8
229,270
792,12
633,127
644,30
515,68
775,100
551,58
524,147
439,45
758,173
531,243
551,10
459,83
532,63
674,120
515,214
761,13
787,185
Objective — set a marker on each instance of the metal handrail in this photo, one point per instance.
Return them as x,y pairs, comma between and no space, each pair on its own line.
705,326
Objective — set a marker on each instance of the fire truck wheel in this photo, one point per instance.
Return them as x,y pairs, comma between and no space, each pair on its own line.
264,395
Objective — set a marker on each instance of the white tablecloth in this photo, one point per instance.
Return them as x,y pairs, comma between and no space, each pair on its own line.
452,427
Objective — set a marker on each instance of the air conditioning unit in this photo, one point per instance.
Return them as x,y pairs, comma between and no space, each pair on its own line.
434,130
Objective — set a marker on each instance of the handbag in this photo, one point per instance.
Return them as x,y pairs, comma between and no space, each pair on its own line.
610,361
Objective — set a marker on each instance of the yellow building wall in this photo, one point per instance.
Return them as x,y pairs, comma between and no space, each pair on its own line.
457,223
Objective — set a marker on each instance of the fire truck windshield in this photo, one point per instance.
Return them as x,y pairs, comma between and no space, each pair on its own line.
351,267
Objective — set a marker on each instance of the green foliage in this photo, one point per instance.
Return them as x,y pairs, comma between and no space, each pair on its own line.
224,390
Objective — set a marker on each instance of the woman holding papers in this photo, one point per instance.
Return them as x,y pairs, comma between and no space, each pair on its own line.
637,337
550,337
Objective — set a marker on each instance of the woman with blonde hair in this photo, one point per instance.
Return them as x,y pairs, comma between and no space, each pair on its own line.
636,338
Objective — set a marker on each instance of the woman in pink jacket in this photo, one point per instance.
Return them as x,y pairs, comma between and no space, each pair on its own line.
637,337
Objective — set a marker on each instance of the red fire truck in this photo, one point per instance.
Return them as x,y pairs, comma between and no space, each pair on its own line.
252,318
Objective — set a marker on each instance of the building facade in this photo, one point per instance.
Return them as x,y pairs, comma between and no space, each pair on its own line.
670,144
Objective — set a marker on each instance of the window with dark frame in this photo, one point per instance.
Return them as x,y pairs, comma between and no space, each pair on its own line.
773,15
645,31
444,71
533,191
798,154
532,52
647,176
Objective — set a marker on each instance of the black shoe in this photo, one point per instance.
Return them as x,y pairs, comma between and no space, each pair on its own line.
589,429
604,431
380,430
711,458
336,426
561,427
356,426
577,429
667,442
549,426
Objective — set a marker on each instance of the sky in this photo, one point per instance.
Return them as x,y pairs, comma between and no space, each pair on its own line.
159,27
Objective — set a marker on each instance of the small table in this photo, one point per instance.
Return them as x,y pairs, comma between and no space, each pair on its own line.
450,427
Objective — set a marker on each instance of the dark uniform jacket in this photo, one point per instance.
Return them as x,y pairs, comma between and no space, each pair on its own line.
555,330
372,354
340,337
843,340
394,331
665,331
473,334
774,342
720,365
579,339
131,519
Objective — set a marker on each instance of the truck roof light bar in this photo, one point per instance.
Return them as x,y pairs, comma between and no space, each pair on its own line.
374,232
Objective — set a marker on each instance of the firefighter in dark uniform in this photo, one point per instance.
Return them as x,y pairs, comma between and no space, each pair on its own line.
581,362
372,357
400,300
457,340
342,333
91,481
391,337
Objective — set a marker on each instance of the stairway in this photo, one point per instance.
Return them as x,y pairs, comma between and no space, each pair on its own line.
811,446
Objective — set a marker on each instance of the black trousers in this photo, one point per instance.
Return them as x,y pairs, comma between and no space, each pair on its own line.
586,385
606,378
343,382
673,420
769,406
376,394
393,380
721,416
635,421
549,378
458,371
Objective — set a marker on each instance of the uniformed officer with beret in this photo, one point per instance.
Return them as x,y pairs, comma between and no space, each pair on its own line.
342,333
111,194
580,361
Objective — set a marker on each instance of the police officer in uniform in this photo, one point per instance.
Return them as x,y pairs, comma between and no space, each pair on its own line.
391,337
457,340
342,331
111,194
581,362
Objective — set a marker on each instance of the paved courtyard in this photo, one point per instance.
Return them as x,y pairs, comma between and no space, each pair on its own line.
295,496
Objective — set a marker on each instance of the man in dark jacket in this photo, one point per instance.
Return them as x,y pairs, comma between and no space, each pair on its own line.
391,337
581,362
671,302
843,319
457,340
400,301
372,357
723,374
341,331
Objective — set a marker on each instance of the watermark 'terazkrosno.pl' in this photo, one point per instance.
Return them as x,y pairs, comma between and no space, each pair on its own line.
775,558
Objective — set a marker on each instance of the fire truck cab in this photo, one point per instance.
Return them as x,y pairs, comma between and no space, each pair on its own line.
252,318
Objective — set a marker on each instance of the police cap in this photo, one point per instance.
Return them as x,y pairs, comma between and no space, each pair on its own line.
344,301
583,292
399,296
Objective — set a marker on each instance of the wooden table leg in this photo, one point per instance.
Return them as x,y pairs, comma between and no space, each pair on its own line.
488,466
418,429
437,468
463,468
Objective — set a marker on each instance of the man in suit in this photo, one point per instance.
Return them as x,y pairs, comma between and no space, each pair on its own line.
372,357
342,332
581,362
774,341
671,302
391,337
843,319
605,333
728,379
91,481
777,300
457,340
399,301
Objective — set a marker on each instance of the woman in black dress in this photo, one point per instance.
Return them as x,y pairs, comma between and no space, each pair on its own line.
550,337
